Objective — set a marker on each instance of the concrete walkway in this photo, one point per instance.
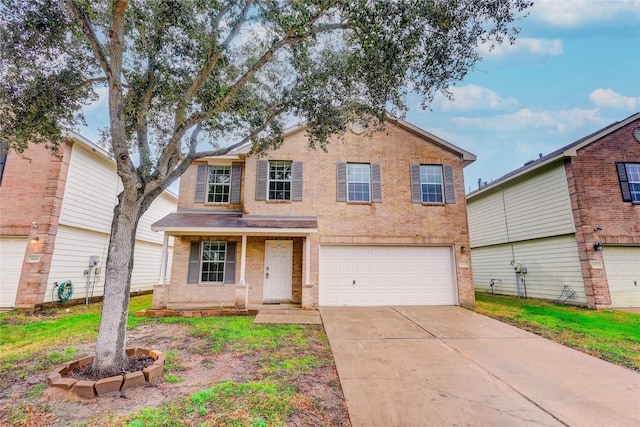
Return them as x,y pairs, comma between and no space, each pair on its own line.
447,366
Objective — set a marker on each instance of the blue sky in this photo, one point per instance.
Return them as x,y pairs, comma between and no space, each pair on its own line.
574,68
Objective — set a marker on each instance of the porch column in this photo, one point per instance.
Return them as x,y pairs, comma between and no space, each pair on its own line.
307,260
243,260
164,259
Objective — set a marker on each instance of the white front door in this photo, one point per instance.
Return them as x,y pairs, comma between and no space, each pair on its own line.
278,265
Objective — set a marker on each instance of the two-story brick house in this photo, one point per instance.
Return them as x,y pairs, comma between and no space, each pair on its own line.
376,220
566,226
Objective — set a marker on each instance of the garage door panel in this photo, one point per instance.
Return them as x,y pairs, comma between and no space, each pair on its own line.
12,252
386,275
623,275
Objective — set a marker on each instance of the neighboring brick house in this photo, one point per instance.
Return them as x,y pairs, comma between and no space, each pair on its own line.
55,222
571,219
376,220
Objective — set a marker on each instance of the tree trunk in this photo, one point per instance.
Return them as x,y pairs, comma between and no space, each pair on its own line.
110,357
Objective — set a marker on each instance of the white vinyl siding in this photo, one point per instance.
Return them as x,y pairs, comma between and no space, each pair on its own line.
90,192
535,208
386,275
74,246
623,275
12,251
550,263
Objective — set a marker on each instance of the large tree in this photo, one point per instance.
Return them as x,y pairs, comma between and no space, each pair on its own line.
188,79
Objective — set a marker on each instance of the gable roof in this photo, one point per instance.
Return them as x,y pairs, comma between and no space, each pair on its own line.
570,150
467,157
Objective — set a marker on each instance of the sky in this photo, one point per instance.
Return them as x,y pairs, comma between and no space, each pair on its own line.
573,69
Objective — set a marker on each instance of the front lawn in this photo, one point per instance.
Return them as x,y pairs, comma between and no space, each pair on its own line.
222,371
608,334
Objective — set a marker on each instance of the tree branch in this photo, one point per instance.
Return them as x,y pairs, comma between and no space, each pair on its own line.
87,29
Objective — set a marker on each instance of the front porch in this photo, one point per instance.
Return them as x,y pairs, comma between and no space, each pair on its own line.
254,260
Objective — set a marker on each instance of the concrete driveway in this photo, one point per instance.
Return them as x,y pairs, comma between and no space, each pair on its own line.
447,366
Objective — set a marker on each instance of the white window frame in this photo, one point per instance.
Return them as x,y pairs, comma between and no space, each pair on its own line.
351,180
217,261
426,172
225,195
271,179
633,176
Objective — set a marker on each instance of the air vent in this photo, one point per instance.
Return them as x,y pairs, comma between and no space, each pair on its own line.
636,134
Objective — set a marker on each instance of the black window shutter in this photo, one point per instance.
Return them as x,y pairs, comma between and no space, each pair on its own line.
376,183
201,184
194,263
449,188
416,188
236,182
230,263
624,182
296,181
261,179
341,182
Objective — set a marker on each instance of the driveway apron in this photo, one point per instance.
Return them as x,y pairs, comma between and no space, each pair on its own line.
447,366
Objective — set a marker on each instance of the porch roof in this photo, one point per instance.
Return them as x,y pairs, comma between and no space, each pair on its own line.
214,223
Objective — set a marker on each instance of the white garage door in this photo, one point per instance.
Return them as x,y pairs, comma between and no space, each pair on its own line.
11,258
386,275
623,275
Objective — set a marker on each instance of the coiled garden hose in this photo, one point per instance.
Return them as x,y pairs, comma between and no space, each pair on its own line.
65,291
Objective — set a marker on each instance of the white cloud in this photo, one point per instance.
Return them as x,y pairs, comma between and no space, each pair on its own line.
609,99
526,119
473,97
575,13
101,102
529,46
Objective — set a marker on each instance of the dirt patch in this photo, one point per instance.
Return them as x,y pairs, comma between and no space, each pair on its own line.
196,368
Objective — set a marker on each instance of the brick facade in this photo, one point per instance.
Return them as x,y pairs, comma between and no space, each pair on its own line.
600,214
394,221
32,189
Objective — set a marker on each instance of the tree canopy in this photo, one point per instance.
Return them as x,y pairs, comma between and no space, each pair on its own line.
188,79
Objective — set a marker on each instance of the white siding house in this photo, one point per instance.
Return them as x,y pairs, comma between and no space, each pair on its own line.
79,233
565,227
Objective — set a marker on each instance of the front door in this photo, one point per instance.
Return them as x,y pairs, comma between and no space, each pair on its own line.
278,260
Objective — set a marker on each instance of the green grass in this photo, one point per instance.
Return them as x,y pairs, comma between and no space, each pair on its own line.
31,343
608,334
279,355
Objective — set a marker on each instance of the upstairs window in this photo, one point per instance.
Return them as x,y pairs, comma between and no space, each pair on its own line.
279,180
431,184
219,184
358,182
629,177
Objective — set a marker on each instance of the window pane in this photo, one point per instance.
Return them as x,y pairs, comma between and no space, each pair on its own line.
279,180
431,183
358,180
219,184
213,257
633,175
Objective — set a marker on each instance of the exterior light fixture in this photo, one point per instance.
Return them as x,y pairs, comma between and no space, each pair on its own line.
597,246
35,240
463,249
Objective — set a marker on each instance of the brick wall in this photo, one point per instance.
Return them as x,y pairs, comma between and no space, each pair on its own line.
31,191
597,202
394,221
